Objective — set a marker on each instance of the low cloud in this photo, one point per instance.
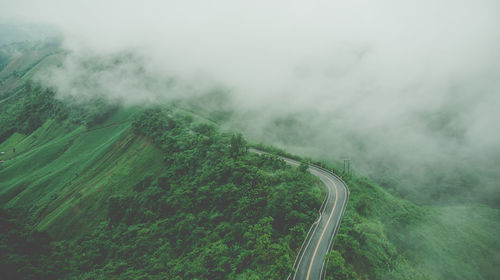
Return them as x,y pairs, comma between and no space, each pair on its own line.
411,84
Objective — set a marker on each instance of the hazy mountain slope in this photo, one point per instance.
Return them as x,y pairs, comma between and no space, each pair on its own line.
19,61
11,33
129,193
386,237
444,234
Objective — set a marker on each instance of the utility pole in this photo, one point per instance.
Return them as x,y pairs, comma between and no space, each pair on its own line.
347,167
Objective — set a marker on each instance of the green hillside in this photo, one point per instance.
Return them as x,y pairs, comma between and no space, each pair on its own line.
98,191
109,181
385,237
108,192
55,172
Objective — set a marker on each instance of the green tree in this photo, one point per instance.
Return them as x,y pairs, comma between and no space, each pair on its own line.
238,146
337,268
304,166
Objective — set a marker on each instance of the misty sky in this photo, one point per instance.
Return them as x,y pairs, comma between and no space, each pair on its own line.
416,81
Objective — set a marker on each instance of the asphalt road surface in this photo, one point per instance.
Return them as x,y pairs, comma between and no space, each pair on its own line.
310,262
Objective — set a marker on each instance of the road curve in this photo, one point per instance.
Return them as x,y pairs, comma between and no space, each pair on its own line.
310,262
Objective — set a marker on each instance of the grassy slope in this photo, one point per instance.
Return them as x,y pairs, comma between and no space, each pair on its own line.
62,175
459,242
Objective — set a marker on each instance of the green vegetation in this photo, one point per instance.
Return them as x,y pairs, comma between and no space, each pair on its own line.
24,253
385,237
93,191
143,193
31,106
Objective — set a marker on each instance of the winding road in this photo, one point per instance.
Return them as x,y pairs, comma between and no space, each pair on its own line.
310,262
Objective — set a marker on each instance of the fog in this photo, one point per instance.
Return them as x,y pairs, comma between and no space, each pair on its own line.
411,87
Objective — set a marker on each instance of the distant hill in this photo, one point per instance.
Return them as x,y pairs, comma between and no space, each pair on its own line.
14,33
